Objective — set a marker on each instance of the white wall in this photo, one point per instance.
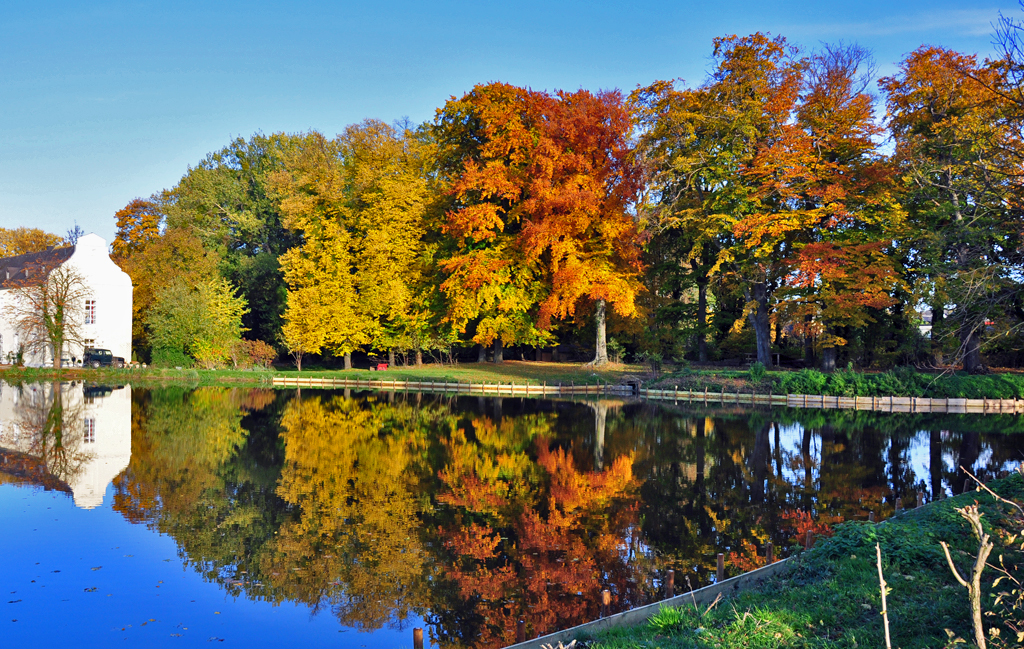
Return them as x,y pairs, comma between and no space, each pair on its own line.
111,287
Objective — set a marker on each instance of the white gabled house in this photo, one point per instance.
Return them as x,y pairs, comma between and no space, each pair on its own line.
106,312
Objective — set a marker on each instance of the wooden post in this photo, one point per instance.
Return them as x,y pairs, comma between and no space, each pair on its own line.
809,540
670,583
899,504
705,395
521,631
871,517
417,638
606,602
769,553
920,499
720,573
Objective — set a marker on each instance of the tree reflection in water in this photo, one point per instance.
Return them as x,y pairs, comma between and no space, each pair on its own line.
475,513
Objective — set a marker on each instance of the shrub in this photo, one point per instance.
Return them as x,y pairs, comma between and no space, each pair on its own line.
256,352
757,371
170,357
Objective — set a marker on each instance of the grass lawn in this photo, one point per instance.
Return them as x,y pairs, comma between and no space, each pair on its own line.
831,597
531,372
520,372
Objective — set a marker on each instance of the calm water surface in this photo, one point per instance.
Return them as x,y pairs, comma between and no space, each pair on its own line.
316,518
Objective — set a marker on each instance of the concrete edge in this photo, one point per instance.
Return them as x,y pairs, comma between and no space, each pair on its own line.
635,616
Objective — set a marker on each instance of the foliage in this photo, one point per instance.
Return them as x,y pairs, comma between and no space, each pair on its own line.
19,241
254,352
538,187
203,321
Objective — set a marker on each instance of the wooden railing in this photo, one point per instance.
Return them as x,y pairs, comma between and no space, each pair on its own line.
880,404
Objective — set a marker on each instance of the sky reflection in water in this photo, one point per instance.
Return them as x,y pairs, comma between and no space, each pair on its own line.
272,517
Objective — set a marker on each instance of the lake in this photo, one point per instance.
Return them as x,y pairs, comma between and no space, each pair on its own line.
156,517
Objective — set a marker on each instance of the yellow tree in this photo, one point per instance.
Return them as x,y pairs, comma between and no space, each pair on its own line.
387,193
20,241
323,304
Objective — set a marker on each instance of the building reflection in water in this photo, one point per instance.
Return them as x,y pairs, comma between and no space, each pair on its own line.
67,436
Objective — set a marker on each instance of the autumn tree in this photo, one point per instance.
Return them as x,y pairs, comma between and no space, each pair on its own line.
156,256
954,149
20,241
323,302
841,268
539,191
727,171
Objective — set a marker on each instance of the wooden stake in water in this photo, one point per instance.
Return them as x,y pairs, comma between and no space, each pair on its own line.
606,602
871,517
417,638
769,552
920,499
521,631
899,504
720,573
670,583
809,540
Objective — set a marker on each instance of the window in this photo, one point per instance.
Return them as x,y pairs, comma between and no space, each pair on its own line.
90,430
90,312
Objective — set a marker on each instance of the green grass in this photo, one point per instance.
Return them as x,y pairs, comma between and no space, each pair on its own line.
521,372
830,599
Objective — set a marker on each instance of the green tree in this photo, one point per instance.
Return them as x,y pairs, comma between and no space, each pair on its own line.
203,321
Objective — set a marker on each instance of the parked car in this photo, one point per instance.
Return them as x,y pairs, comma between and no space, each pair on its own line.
95,357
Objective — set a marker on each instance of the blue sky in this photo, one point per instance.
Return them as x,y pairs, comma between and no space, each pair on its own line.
104,101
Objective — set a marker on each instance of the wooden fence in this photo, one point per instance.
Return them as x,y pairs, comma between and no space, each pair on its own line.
880,404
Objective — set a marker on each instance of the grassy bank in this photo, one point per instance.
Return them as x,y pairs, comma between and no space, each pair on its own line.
901,382
831,596
139,377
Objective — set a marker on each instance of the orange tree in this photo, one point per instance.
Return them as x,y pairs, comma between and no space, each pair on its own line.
841,266
538,222
768,174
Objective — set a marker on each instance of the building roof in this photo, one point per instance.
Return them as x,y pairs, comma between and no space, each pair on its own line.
15,270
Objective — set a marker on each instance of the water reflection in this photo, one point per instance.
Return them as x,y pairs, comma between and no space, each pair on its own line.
473,513
66,436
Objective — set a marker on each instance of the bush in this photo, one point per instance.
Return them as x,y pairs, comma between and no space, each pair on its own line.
166,357
757,371
254,352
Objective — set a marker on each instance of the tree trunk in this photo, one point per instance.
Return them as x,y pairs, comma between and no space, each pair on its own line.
348,360
391,358
601,344
808,343
702,321
298,361
481,354
499,356
828,354
761,323
419,358
938,317
970,347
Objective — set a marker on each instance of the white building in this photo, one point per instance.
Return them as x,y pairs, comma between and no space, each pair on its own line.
106,312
